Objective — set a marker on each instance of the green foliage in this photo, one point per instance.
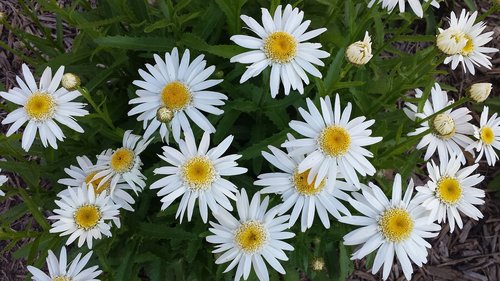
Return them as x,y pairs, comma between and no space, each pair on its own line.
120,36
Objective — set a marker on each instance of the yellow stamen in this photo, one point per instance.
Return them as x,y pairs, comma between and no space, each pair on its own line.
40,106
448,190
175,96
122,160
95,183
87,216
62,278
304,188
396,224
487,135
469,46
334,141
199,172
251,236
280,47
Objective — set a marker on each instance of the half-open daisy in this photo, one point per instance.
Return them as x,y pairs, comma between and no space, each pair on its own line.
197,173
83,215
472,53
173,91
281,44
296,192
333,143
59,271
394,227
256,236
448,130
83,175
41,106
488,137
450,190
122,164
416,5
3,179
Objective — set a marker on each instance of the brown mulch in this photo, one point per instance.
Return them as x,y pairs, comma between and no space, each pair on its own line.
472,253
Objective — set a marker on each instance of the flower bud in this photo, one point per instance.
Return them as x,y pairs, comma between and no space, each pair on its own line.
3,17
451,41
164,114
444,125
360,52
479,92
318,264
70,81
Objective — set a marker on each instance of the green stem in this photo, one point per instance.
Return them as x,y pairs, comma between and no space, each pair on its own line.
85,93
408,140
33,208
455,104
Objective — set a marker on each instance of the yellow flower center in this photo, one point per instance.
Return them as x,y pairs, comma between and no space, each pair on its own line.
487,135
444,126
469,46
280,47
251,236
40,106
448,190
122,160
396,224
175,96
87,216
62,278
334,141
304,188
95,183
199,173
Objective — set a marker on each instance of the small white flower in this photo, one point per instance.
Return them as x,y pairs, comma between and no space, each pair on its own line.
449,130
360,52
296,192
416,5
487,137
41,106
479,92
256,236
395,227
83,215
174,90
197,173
122,164
59,271
281,44
333,143
449,190
70,81
472,53
3,179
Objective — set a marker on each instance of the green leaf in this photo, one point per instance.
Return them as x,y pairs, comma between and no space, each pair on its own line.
195,42
135,43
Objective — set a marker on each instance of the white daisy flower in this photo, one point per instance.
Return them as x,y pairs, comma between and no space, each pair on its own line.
281,45
394,227
122,164
255,237
296,192
59,271
173,90
83,215
416,5
488,137
333,143
472,53
449,190
3,179
42,105
83,175
197,173
449,130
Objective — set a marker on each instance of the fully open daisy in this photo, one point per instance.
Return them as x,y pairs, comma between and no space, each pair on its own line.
83,215
488,137
296,192
333,143
281,44
41,106
394,227
466,35
83,175
173,90
3,179
256,236
450,190
416,5
122,164
448,130
59,271
197,173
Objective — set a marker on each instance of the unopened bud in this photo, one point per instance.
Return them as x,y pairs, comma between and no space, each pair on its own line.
479,92
444,125
318,264
70,81
164,114
360,52
451,41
